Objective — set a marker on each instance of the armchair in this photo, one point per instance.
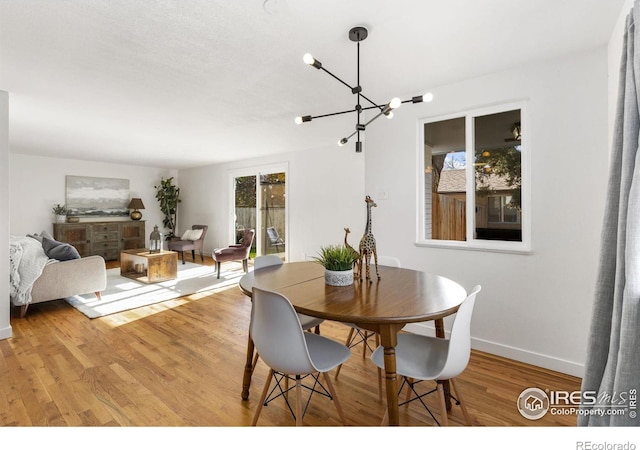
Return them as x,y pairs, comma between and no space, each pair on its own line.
182,245
235,252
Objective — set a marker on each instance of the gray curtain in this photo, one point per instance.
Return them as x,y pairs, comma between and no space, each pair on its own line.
612,368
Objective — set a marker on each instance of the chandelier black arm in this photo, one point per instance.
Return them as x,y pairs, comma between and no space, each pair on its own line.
337,78
372,102
365,125
353,90
333,114
417,99
380,107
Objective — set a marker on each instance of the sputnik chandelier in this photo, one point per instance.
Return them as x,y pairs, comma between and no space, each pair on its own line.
358,34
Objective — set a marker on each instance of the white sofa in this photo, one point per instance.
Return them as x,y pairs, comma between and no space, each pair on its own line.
67,278
38,275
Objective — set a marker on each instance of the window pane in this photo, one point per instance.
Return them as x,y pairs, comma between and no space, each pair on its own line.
498,176
272,193
245,205
445,180
494,209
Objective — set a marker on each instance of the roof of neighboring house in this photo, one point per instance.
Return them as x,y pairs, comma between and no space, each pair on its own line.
454,180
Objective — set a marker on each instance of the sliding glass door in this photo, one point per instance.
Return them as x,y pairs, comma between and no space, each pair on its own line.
259,202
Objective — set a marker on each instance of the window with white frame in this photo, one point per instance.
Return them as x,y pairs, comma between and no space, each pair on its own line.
475,182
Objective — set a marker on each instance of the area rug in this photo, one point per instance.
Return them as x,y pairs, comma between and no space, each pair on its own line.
123,294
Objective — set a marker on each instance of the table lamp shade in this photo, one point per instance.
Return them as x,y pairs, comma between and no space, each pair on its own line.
136,204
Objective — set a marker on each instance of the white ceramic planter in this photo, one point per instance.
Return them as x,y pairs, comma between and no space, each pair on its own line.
338,278
61,218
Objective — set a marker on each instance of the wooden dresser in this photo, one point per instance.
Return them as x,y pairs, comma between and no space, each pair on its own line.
106,239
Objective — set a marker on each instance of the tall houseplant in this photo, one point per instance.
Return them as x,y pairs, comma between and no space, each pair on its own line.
168,196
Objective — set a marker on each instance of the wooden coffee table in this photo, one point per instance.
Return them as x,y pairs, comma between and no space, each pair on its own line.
140,265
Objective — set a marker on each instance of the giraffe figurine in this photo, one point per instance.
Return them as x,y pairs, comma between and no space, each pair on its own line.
354,252
368,243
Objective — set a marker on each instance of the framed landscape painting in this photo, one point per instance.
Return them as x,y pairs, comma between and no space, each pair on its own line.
97,197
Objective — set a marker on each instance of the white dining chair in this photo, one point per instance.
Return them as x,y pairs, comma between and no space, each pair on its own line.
292,353
263,261
306,322
422,358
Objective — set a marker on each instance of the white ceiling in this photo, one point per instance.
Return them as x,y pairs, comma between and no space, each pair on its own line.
180,83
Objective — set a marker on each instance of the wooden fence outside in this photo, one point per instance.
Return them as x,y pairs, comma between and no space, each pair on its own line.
274,217
449,218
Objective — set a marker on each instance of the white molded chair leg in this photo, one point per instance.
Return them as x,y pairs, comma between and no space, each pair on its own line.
298,402
408,383
265,390
365,338
347,343
286,387
465,413
443,406
332,391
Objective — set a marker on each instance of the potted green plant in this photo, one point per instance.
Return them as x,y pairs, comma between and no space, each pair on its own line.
60,212
337,261
168,195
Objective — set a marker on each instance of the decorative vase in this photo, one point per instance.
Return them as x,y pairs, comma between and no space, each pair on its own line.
338,277
61,218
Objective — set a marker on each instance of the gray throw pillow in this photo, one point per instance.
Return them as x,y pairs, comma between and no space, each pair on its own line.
59,250
46,234
39,237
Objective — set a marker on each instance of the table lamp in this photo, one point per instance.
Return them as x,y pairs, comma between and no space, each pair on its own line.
135,204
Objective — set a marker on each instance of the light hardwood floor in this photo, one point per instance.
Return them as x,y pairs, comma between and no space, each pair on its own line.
180,363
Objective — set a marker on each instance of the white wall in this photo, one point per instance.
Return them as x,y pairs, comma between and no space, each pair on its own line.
325,195
37,183
5,311
537,307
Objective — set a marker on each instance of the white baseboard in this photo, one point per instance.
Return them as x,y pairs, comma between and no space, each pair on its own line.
526,356
6,333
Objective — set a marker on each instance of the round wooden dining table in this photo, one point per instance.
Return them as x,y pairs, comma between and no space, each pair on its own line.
384,306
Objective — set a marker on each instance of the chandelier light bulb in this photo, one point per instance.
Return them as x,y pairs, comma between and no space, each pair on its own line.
389,115
298,120
427,97
309,59
342,141
395,103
